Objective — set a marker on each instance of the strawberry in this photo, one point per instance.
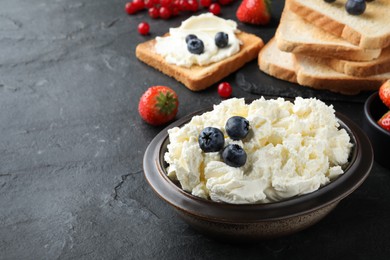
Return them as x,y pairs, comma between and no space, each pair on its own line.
384,93
254,11
384,122
158,105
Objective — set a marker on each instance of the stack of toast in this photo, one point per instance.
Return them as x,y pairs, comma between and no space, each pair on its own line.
320,45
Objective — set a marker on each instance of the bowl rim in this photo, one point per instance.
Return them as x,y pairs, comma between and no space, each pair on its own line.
368,114
355,174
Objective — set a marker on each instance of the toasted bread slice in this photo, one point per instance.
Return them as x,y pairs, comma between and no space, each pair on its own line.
364,68
294,34
200,77
369,30
277,63
311,72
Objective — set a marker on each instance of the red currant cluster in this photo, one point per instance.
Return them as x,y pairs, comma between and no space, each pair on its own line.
166,9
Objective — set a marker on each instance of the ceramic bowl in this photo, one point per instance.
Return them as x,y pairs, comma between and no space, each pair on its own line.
257,221
374,109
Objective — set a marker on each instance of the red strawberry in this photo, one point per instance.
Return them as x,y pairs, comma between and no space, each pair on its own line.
158,105
384,122
254,11
384,93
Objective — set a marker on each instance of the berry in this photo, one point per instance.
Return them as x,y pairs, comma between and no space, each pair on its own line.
225,2
175,10
139,4
384,122
190,37
215,8
193,5
195,46
166,3
158,105
224,90
237,127
384,93
153,12
183,5
143,28
355,7
221,39
164,12
329,1
130,8
254,11
211,139
205,3
233,155
149,3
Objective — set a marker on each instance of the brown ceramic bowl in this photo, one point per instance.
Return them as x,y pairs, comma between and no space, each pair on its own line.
374,109
257,221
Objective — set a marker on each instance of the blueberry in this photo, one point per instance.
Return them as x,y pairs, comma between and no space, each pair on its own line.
355,7
237,127
211,139
195,46
221,39
190,37
233,155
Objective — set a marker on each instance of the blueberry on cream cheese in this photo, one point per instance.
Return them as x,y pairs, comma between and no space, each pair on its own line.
195,46
355,7
237,127
211,139
190,37
233,155
221,39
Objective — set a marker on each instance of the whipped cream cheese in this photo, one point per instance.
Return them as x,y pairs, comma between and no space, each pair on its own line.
292,148
174,48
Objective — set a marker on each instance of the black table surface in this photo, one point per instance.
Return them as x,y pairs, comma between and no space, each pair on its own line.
72,144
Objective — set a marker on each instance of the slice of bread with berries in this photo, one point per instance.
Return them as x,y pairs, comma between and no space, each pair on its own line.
198,77
311,72
296,35
369,30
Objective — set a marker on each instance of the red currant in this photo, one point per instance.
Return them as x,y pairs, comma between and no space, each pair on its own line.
225,2
153,12
166,3
183,5
139,4
215,8
130,8
143,28
193,5
164,12
205,3
149,3
224,90
175,10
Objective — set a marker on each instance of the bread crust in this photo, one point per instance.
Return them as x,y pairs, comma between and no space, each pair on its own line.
196,77
345,31
296,35
277,70
362,69
321,78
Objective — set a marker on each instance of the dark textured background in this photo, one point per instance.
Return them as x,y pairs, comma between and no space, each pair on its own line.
72,143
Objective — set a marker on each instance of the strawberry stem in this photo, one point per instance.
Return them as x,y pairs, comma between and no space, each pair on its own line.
166,102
